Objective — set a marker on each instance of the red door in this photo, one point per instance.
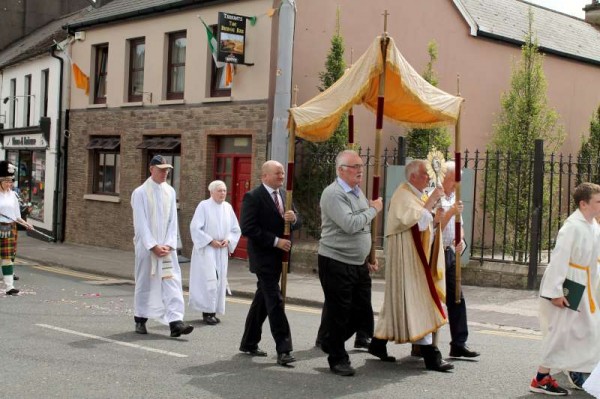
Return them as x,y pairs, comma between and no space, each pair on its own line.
241,185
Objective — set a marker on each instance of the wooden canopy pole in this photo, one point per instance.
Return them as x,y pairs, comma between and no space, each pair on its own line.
378,132
289,188
351,115
457,178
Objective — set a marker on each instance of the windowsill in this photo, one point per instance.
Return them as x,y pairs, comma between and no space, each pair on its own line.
171,102
133,104
217,99
92,106
101,198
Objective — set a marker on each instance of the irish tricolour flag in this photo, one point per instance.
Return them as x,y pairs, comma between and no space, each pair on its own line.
212,43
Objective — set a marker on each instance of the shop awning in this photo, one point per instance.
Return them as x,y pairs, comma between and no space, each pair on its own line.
159,143
104,143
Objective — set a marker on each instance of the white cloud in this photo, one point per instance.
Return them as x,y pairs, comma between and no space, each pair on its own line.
571,7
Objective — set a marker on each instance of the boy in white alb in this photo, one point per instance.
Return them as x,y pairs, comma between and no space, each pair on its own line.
571,339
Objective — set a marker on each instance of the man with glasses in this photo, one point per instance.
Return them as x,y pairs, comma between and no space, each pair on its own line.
345,243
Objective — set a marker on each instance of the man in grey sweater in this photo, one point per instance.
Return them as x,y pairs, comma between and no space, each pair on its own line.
346,216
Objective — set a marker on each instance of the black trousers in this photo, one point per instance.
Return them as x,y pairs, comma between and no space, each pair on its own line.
267,302
457,312
363,333
347,290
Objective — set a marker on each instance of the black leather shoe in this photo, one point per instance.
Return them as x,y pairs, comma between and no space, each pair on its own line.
286,358
210,320
381,354
140,328
362,343
178,328
378,348
12,291
442,366
433,359
462,351
343,369
254,352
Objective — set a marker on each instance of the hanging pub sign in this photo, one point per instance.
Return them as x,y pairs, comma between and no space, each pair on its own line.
232,38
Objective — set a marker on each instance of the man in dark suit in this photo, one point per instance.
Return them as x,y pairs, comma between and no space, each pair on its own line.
262,222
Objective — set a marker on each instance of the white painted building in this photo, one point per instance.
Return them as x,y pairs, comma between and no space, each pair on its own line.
32,113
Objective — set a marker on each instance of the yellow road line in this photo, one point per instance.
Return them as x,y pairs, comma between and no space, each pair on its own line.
297,308
67,272
510,334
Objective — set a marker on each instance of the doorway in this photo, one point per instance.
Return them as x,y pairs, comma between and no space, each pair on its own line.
234,167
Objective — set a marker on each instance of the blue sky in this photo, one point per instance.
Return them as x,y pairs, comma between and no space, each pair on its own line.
571,7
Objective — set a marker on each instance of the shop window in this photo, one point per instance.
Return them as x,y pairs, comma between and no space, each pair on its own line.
137,53
170,148
176,65
218,87
30,177
106,164
100,73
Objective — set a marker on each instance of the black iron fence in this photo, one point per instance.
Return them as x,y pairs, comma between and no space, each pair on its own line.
520,201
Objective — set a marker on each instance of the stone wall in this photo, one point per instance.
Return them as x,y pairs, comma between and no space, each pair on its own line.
488,274
109,224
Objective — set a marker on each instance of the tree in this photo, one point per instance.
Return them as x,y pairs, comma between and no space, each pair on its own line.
589,153
525,117
317,160
420,141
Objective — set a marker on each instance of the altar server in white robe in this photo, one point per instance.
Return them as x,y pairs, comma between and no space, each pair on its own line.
571,339
215,232
158,291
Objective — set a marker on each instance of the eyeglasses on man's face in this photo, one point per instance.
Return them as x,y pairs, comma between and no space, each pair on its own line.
356,166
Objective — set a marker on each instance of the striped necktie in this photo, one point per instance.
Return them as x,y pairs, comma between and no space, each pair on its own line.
277,203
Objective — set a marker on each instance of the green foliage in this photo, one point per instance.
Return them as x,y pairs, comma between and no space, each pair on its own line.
317,160
589,153
421,141
525,117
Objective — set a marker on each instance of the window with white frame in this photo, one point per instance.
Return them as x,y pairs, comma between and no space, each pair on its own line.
105,153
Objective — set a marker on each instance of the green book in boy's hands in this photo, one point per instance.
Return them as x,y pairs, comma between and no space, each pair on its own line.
573,291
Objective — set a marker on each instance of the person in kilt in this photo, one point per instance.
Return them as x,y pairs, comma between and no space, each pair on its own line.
10,213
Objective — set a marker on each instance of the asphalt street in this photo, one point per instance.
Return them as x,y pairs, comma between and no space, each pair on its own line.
70,335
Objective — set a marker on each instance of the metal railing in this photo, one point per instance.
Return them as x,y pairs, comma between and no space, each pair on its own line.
520,201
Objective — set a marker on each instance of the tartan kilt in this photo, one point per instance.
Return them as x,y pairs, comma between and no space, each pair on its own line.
8,245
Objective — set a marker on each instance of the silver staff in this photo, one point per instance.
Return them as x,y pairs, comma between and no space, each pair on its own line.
46,236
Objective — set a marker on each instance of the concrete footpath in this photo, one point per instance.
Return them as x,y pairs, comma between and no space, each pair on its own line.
504,307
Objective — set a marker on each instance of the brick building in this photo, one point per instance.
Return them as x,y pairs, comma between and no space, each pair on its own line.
154,88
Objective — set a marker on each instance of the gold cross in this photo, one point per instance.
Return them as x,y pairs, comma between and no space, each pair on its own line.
385,15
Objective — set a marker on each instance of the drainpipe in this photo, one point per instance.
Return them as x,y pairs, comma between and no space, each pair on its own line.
283,82
57,225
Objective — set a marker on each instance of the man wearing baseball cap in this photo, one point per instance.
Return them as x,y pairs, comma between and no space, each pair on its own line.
158,290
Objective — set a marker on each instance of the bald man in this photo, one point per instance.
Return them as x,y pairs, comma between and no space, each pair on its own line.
262,222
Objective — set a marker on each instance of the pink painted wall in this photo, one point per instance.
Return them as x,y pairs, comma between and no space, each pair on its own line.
484,65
